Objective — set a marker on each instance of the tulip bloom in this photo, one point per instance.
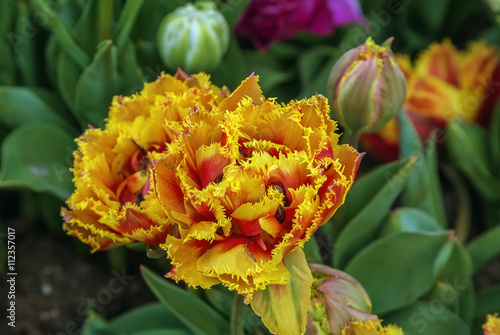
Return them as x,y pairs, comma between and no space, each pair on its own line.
492,325
265,21
113,202
248,182
370,328
337,299
367,87
443,85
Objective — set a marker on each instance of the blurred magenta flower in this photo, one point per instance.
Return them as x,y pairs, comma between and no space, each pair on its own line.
266,21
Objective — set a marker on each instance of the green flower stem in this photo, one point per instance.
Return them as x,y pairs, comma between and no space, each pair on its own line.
351,138
126,21
105,19
63,35
462,222
237,315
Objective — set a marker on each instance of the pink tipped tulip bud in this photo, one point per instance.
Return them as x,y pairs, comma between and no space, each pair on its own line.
366,87
336,299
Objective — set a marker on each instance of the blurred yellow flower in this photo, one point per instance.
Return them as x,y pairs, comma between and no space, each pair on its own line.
370,328
492,325
248,182
113,202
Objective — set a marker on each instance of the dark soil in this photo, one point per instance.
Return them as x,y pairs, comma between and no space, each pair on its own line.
55,283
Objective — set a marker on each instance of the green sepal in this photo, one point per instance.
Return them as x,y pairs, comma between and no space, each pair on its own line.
283,308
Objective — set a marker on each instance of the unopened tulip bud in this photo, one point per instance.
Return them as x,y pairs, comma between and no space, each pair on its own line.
366,87
193,37
336,299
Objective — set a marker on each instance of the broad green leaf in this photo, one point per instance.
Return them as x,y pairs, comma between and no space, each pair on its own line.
457,273
97,85
370,198
150,316
196,314
398,269
153,318
37,156
429,318
7,65
411,220
283,308
423,190
221,298
21,105
484,248
8,13
488,301
467,146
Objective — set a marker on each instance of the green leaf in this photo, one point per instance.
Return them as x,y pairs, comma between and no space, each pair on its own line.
133,79
21,105
147,317
457,273
232,10
195,314
367,204
410,220
68,73
484,248
495,138
123,27
63,33
40,165
233,67
398,269
314,67
275,73
153,318
312,251
423,189
97,85
468,148
26,52
429,318
488,301
283,308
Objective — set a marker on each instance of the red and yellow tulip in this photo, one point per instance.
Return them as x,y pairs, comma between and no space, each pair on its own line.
444,84
492,325
247,183
370,328
113,202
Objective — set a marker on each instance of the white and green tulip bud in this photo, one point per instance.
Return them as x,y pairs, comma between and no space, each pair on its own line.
193,37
